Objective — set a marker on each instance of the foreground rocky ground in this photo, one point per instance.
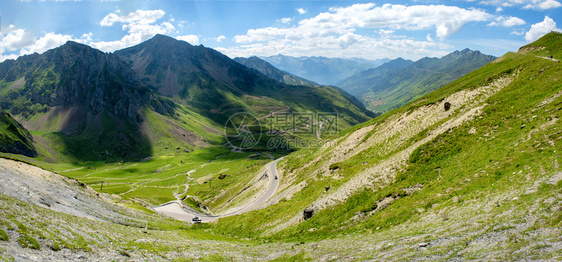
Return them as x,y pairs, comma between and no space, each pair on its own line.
101,228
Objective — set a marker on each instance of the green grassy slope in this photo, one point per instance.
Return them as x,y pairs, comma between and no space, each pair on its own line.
395,88
217,87
14,138
425,168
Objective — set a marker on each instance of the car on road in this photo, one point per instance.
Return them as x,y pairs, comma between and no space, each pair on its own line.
196,220
275,177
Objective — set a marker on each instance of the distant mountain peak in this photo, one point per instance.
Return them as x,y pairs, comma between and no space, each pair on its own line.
164,41
74,43
160,37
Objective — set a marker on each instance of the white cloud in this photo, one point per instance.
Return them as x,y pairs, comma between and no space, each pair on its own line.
499,9
48,41
347,45
348,40
285,20
140,26
518,32
539,29
385,33
28,43
507,21
446,20
428,37
192,39
16,39
184,24
221,38
543,5
301,11
336,32
526,4
137,17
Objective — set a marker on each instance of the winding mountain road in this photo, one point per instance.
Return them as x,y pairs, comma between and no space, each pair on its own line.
180,211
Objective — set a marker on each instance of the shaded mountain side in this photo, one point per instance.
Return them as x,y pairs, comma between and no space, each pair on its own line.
383,90
281,76
272,72
217,87
483,148
91,103
14,138
322,70
72,74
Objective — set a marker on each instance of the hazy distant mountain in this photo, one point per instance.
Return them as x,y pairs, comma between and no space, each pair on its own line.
323,70
359,83
396,83
269,70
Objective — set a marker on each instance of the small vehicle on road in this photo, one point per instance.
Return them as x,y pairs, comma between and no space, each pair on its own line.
276,177
196,220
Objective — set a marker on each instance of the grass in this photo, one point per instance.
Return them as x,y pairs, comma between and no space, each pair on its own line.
456,167
26,241
3,235
475,177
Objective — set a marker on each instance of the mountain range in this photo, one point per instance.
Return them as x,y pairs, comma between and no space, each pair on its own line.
470,171
81,103
459,173
322,70
269,70
400,81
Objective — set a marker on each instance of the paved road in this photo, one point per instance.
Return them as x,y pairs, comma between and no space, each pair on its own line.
180,211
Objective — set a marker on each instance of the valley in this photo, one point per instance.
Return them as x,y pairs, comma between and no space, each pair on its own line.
109,156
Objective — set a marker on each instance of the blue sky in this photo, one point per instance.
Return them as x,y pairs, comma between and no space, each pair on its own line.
365,29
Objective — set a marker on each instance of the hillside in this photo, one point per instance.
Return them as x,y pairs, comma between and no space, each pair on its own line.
14,138
467,172
74,95
356,84
396,84
217,87
267,69
477,180
322,70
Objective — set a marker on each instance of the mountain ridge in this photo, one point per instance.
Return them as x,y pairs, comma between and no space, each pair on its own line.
385,89
269,70
216,86
322,70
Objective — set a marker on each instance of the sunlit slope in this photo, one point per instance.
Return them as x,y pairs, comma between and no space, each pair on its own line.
424,167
